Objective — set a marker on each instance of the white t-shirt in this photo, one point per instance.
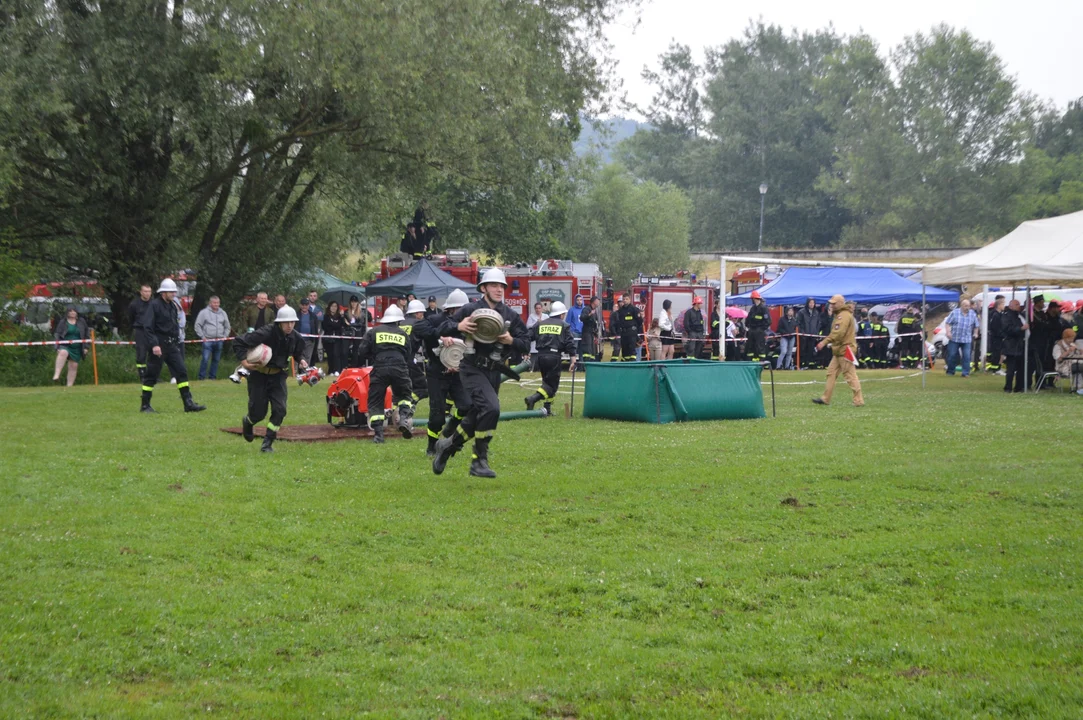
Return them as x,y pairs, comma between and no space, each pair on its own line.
664,321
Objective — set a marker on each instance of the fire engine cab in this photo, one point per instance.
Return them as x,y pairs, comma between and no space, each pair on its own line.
456,262
650,291
549,281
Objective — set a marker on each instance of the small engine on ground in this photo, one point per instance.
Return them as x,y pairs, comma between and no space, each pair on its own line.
348,399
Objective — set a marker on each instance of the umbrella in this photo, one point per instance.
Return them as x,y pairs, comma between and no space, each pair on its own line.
341,294
735,312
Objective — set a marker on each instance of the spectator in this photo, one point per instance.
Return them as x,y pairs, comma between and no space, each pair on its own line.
1013,327
787,326
1041,340
808,323
654,340
357,318
432,309
1068,355
665,323
960,327
182,323
575,312
531,321
308,324
212,327
314,306
334,324
280,302
74,330
260,314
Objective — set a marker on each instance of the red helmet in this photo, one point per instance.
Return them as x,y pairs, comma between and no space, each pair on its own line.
1079,304
756,295
697,300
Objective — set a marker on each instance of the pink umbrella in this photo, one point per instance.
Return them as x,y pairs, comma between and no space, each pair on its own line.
735,312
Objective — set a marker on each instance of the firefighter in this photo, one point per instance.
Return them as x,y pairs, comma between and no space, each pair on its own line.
909,338
161,330
757,323
715,331
693,330
626,324
864,339
267,384
591,342
135,319
390,350
880,339
996,335
415,313
480,372
448,402
553,337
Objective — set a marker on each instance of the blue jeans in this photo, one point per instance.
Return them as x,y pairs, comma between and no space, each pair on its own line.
953,348
785,353
211,351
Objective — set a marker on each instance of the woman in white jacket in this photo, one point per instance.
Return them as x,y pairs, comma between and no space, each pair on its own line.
665,322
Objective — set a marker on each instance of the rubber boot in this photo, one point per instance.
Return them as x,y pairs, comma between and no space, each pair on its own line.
480,465
406,425
268,440
446,447
431,449
532,400
145,407
548,407
378,432
247,429
190,404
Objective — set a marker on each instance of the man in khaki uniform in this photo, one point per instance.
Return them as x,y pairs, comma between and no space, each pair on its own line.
843,338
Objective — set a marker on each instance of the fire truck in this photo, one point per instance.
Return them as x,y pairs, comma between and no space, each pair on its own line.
752,278
456,262
650,291
549,281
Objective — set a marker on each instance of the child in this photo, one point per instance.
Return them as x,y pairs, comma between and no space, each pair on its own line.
654,340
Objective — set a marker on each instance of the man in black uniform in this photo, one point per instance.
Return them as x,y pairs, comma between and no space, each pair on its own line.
446,394
590,345
135,320
480,372
161,330
390,349
864,338
909,343
626,324
415,313
432,309
267,384
758,323
880,339
715,330
693,329
553,337
996,337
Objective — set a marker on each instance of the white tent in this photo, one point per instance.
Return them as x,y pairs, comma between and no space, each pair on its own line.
1050,249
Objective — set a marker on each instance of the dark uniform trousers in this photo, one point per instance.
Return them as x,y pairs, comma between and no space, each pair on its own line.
173,357
628,343
141,351
446,397
757,344
481,385
394,374
588,347
418,381
549,366
267,389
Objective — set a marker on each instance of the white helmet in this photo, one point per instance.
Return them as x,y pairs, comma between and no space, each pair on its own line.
167,285
392,315
493,275
286,314
456,299
415,306
557,308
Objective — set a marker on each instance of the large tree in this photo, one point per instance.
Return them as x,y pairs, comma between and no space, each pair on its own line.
146,134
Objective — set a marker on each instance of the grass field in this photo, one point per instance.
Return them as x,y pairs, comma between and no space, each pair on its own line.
918,557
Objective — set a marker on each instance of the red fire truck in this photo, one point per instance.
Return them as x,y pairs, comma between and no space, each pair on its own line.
549,281
752,278
456,262
649,292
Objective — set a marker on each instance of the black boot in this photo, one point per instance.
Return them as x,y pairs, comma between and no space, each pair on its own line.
445,448
406,425
247,429
431,449
378,432
190,404
145,407
531,400
268,440
548,407
480,466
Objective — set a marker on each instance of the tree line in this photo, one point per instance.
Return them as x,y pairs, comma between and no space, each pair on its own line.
930,144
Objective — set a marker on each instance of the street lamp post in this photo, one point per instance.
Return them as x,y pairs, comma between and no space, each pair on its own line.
763,193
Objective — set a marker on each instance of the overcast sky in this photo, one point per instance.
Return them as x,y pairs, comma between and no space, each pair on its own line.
1039,42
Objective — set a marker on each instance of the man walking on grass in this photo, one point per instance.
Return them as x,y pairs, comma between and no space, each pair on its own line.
961,327
843,342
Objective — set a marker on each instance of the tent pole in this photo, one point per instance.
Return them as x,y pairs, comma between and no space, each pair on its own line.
1026,342
924,354
722,319
984,349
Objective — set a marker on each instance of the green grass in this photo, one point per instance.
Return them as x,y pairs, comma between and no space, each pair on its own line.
929,564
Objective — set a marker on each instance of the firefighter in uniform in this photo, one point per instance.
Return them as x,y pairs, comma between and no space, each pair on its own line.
626,324
996,335
693,329
480,372
267,384
161,330
590,344
715,331
757,323
880,339
448,402
910,343
864,339
135,319
390,349
553,337
415,313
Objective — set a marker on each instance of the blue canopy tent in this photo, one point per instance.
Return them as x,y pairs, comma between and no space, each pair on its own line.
860,285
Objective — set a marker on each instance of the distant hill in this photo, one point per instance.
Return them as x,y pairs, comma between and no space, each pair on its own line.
603,140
